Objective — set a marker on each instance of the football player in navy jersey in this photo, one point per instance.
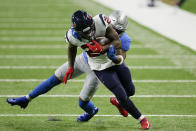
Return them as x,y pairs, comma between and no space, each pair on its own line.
106,61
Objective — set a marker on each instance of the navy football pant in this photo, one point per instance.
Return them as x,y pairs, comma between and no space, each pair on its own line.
118,80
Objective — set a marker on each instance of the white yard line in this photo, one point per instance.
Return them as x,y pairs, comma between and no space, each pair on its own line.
32,25
29,67
164,81
161,56
162,67
65,56
82,80
73,115
33,56
40,19
36,46
108,96
32,80
31,32
131,67
36,39
33,46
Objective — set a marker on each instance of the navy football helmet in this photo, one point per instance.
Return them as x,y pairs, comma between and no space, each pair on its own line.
83,24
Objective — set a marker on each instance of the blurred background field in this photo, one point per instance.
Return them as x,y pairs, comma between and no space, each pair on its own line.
32,46
188,5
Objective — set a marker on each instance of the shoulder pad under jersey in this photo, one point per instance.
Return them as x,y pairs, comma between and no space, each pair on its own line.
101,24
72,37
105,20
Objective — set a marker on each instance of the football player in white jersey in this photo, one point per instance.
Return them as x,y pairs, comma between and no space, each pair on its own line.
119,22
106,61
80,66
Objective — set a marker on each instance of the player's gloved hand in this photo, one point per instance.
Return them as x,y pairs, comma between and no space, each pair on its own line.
95,47
111,53
68,74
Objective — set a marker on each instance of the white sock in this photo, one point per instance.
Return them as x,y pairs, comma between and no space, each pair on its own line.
140,118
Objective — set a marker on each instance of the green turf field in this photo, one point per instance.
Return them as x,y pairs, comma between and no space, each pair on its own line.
188,5
32,46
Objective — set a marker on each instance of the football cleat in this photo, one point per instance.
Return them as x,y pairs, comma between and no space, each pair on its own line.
122,111
21,101
145,125
85,117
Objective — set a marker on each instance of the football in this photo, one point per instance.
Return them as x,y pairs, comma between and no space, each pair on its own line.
102,40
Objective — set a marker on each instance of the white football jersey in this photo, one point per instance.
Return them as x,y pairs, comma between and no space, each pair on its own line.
96,61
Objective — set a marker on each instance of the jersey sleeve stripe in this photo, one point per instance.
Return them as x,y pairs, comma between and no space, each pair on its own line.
101,17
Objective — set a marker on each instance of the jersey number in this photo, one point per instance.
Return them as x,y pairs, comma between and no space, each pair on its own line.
107,19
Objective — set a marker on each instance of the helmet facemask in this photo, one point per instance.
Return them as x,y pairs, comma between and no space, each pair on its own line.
119,21
83,24
87,33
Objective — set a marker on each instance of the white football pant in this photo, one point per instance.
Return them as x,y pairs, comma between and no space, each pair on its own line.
91,83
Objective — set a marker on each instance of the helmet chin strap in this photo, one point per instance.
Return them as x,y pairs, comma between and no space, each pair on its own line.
91,35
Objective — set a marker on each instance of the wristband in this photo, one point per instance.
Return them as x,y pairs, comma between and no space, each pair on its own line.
122,59
114,57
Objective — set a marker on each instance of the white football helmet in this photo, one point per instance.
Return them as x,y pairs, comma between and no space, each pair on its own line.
119,20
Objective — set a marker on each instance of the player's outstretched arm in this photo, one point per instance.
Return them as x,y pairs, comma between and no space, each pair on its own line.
72,51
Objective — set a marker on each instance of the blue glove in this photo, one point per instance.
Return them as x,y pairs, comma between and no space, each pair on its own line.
111,53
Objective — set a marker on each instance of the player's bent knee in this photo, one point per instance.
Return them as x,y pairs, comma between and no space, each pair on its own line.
93,81
123,100
131,93
60,72
58,75
57,78
94,85
53,80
